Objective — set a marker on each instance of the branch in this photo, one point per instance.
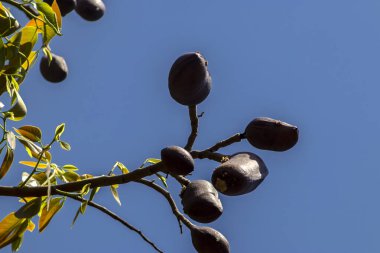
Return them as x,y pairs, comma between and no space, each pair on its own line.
22,8
115,217
197,154
194,127
77,186
235,138
169,198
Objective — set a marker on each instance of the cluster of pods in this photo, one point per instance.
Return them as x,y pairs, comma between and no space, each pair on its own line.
190,84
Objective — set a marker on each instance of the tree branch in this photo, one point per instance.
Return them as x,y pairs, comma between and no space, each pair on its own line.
224,143
169,198
197,154
115,217
100,181
194,127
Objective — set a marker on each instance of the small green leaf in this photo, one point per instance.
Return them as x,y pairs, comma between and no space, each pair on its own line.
69,167
115,194
153,160
76,216
83,207
32,133
64,145
59,131
85,189
10,228
33,164
18,111
7,162
49,15
16,244
163,179
121,166
46,215
30,209
71,176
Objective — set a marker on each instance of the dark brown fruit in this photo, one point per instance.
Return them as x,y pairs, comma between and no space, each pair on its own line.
241,174
209,240
56,71
189,79
200,201
90,10
177,160
65,6
271,134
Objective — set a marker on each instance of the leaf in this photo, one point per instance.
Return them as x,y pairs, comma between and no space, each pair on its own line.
2,54
32,133
16,244
69,167
64,145
153,160
50,16
71,176
33,149
32,182
10,228
33,164
59,131
11,139
76,216
18,111
46,215
7,162
85,189
83,207
163,179
115,194
121,166
93,192
57,11
30,209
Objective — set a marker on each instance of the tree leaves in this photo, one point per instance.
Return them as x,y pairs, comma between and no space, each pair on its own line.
47,214
32,133
7,162
12,230
30,209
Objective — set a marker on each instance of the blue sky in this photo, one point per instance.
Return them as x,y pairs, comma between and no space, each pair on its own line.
313,64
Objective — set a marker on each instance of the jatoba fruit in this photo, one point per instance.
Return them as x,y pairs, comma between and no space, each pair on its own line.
189,79
241,174
90,10
55,71
200,201
177,160
209,240
65,6
271,134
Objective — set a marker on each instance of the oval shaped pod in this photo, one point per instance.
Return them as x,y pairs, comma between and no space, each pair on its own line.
189,79
209,240
55,71
200,201
90,10
241,174
271,134
177,160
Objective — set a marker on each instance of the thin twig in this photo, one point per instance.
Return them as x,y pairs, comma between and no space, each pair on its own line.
181,179
171,201
194,127
224,143
115,217
197,154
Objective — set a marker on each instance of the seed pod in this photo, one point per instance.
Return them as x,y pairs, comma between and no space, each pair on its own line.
55,71
209,240
241,174
65,6
177,160
90,10
200,201
189,79
271,134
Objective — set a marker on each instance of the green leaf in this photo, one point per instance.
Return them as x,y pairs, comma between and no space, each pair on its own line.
71,176
163,179
76,216
2,54
16,244
18,111
153,160
10,228
93,192
30,209
64,145
69,167
33,164
46,215
32,133
85,189
49,16
121,166
83,207
33,149
59,131
115,194
7,162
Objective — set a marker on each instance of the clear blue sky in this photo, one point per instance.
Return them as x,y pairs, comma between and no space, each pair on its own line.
314,64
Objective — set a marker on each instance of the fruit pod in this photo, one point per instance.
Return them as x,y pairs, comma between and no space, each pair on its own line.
189,79
90,10
54,71
200,201
271,134
177,160
241,174
209,240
